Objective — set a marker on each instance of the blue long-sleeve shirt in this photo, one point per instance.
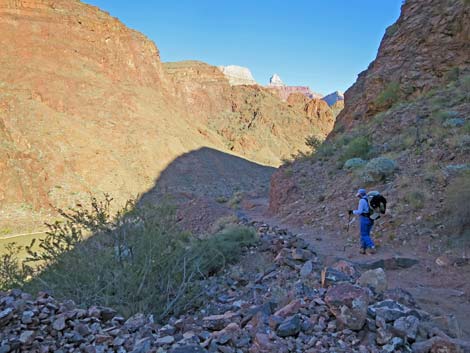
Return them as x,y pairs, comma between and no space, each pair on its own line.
363,207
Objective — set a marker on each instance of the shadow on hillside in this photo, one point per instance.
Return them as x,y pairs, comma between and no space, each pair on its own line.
210,173
139,262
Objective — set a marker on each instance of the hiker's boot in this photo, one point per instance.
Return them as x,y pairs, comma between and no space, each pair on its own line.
371,251
362,251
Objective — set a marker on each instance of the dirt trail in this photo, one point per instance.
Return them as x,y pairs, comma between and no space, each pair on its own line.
440,290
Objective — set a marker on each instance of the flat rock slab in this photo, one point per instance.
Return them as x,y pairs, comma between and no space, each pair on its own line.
393,263
188,349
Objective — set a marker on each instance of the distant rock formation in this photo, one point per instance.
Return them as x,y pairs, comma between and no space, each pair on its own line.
332,98
316,110
238,75
277,86
276,81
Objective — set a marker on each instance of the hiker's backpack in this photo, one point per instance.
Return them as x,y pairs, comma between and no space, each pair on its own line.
377,204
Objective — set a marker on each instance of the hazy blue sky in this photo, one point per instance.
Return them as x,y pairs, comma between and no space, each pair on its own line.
320,43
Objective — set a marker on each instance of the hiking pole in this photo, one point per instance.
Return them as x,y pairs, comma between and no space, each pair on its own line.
349,221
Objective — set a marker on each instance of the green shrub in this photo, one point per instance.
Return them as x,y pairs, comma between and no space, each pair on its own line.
415,199
389,96
314,142
354,163
326,150
391,30
452,74
223,248
135,261
235,200
457,206
466,127
443,115
465,82
378,169
358,147
12,273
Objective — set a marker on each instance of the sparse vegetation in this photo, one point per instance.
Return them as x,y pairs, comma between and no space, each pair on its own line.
358,147
391,30
314,142
457,203
389,96
135,261
235,200
415,199
453,74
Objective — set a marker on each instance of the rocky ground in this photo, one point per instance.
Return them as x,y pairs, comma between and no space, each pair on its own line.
279,298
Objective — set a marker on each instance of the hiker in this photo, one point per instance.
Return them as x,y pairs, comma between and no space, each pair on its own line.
366,223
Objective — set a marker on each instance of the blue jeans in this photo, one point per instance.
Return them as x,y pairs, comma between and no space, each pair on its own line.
366,226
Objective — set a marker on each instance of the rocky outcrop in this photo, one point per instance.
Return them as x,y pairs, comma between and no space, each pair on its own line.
276,81
283,92
332,98
315,109
277,86
421,50
238,75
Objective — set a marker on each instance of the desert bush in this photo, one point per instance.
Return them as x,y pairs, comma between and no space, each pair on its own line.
378,169
12,273
326,150
358,147
454,122
452,74
135,261
443,115
391,30
465,81
389,96
354,163
235,200
415,199
314,142
457,203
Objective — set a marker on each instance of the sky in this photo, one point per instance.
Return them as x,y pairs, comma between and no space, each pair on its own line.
323,44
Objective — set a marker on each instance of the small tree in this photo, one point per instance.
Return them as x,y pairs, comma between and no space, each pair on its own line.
314,142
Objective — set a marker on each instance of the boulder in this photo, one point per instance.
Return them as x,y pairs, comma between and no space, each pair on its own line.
374,279
290,309
218,322
391,347
391,263
401,296
449,324
290,327
407,326
389,310
301,254
306,269
436,345
330,276
348,303
347,268
59,323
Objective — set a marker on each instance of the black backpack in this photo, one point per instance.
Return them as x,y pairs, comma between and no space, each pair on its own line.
377,204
